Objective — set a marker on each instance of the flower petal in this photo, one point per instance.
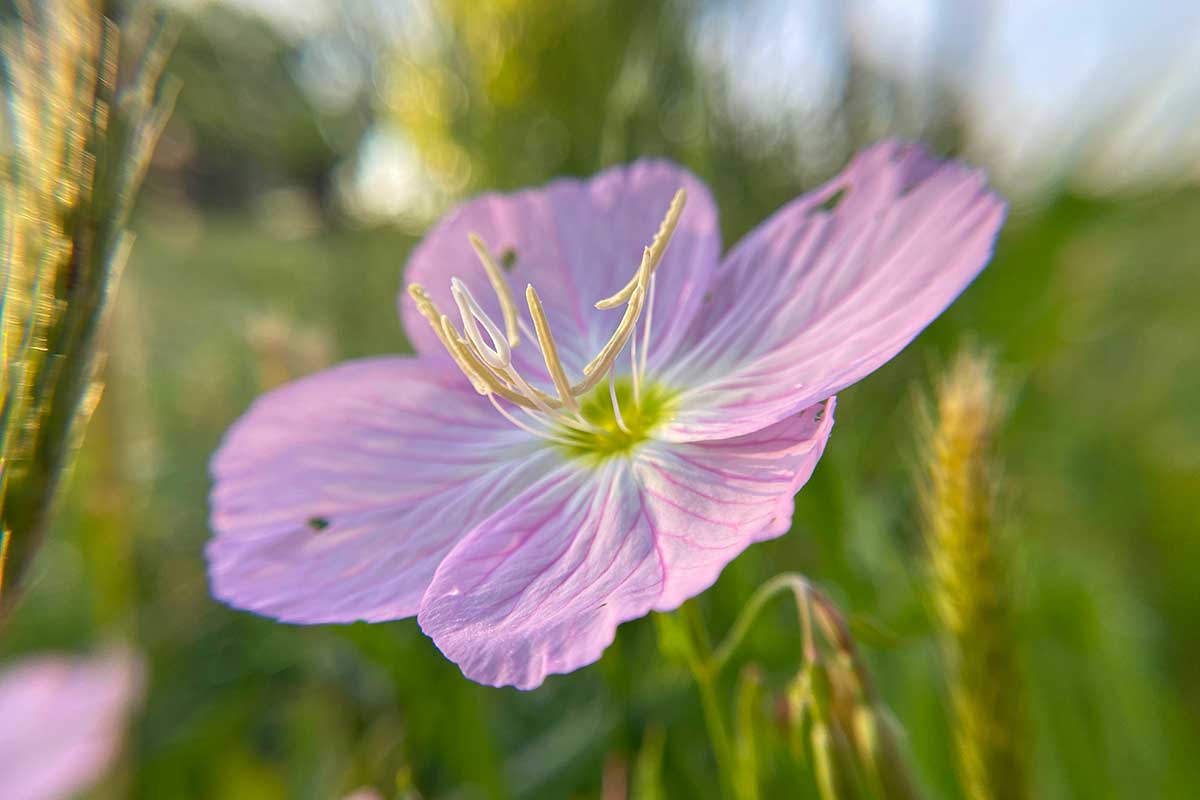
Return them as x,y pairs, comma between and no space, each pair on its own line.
541,586
576,242
712,499
63,722
816,299
335,497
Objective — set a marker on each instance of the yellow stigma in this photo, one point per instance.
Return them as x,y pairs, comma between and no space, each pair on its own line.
581,415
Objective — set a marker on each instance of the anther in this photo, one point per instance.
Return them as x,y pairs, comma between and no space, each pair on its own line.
549,349
508,307
653,253
598,367
447,336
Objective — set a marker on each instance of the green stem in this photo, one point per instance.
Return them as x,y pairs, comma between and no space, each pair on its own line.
788,581
697,654
718,731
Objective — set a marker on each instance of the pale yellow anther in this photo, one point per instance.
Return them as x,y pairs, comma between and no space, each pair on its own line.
541,327
598,367
508,306
446,334
653,254
425,305
633,310
428,310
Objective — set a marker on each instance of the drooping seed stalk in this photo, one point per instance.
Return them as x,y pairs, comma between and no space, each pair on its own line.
76,135
971,589
837,724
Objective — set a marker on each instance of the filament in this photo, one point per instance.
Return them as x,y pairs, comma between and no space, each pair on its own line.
641,368
612,394
544,434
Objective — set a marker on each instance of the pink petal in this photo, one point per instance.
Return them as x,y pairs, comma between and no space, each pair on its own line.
61,723
541,586
814,300
576,242
335,497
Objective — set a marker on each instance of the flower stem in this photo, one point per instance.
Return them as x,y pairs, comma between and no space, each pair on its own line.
701,665
788,581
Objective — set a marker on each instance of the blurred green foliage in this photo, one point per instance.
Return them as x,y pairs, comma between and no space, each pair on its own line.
245,274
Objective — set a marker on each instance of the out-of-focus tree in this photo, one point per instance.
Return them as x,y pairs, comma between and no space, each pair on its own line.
244,124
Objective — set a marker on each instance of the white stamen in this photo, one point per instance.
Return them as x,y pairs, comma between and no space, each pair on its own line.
633,371
525,329
533,394
499,355
612,394
575,422
641,368
547,435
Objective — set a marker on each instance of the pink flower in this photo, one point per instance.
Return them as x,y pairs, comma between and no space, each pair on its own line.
61,722
600,460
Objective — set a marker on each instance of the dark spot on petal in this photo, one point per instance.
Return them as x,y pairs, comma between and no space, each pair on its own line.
831,202
508,259
318,523
707,298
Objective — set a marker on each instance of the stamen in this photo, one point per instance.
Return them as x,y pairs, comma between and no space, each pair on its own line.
612,396
549,349
547,435
541,401
430,312
612,348
576,422
598,366
641,367
633,370
524,328
498,356
654,252
475,369
508,306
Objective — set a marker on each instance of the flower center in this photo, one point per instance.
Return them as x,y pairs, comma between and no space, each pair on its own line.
597,414
618,421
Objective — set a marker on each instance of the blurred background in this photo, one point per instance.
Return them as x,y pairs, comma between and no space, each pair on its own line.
315,141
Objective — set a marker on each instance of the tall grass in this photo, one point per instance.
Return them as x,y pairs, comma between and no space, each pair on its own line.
76,132
971,588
